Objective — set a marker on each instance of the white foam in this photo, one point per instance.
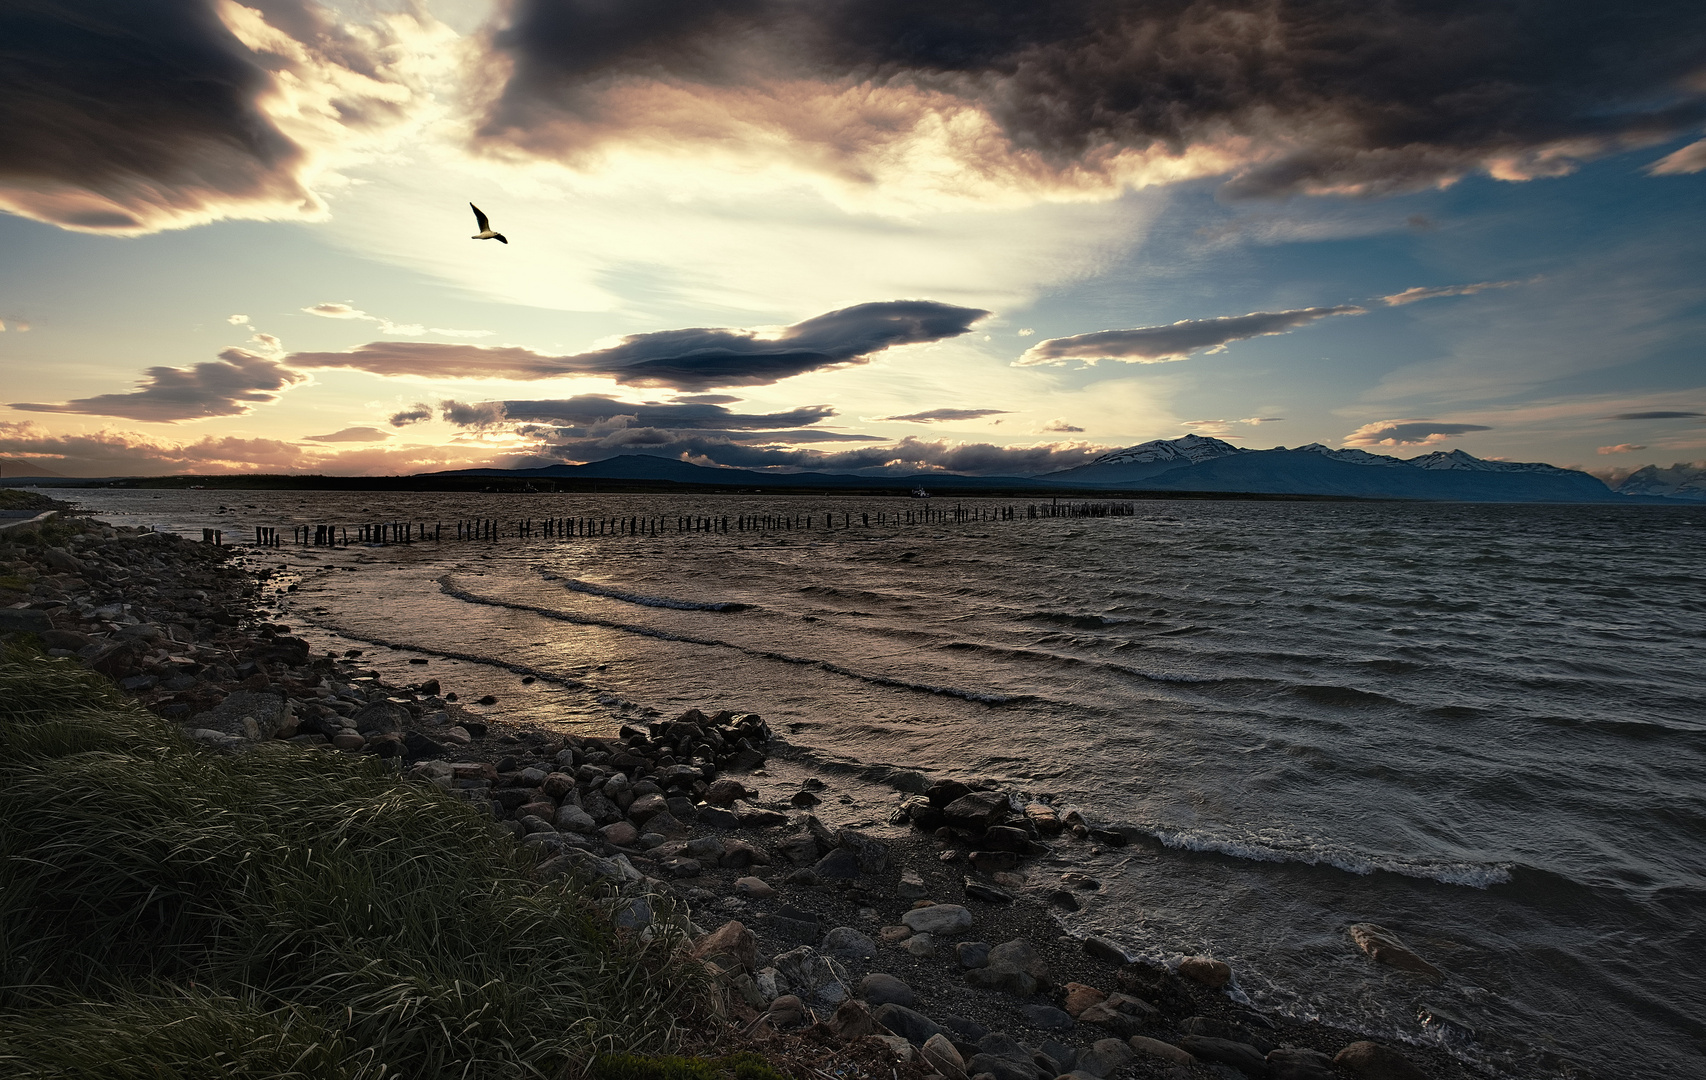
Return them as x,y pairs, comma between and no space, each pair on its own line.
1474,875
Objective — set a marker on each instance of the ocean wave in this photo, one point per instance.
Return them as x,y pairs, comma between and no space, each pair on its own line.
1474,875
576,585
448,588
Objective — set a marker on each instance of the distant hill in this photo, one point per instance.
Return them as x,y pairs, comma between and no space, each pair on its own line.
1191,463
1196,463
646,467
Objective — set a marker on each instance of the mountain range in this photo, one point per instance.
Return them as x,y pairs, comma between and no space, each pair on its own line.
1198,463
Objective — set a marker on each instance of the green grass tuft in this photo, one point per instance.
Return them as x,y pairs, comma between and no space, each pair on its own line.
323,901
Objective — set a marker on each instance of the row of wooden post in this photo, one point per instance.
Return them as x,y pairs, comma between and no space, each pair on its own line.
565,528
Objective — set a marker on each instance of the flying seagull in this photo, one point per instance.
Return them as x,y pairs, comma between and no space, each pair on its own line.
486,232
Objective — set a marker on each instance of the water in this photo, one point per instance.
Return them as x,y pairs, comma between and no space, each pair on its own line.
1479,726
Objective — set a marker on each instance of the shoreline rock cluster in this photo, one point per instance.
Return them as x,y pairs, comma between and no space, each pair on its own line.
929,937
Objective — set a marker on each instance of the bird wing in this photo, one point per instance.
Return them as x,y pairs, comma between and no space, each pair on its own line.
480,218
499,237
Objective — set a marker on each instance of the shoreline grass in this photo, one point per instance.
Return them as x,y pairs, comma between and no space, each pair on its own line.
298,913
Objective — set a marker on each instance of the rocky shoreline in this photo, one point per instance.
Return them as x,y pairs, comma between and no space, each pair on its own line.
920,939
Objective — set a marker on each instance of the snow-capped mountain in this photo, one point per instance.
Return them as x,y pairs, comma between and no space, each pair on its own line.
1185,450
1200,463
1457,459
1351,456
1680,481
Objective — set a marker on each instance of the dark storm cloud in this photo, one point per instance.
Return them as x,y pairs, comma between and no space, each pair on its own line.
1306,95
1407,432
692,359
131,115
591,410
416,414
1654,415
937,415
226,387
1175,341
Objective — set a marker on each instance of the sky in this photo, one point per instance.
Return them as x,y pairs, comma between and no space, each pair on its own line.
993,237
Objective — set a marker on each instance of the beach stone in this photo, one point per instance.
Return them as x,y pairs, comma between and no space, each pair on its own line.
706,848
634,912
969,1031
1044,817
756,817
801,849
853,1021
730,945
938,919
1064,900
1161,1051
1295,1063
646,807
1080,997
914,1027
680,866
755,887
786,1011
1066,1057
348,740
1241,1056
908,780
891,934
911,886
793,925
894,1044
940,1054
539,808
532,823
1046,1017
1008,838
738,854
848,942
879,988
1104,1056
805,877
382,717
1105,949
1207,971
1013,966
838,865
620,834
1003,1057
920,944
972,954
872,854
1376,1061
991,861
977,809
943,792
667,824
725,792
989,894
557,784
1383,946
571,818
716,817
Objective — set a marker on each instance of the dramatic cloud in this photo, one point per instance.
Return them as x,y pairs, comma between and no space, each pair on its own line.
1059,425
419,412
1621,448
938,415
352,434
1407,433
230,386
1159,344
587,411
1310,96
132,116
1690,159
1654,415
348,311
694,359
482,414
120,453
1410,296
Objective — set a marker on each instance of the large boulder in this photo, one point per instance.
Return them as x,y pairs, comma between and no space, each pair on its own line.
812,976
940,920
1383,946
977,810
1376,1061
